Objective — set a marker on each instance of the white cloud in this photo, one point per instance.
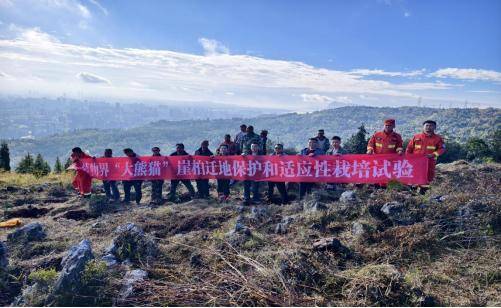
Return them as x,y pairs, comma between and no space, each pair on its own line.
41,63
91,78
377,72
315,98
212,47
343,99
467,74
407,14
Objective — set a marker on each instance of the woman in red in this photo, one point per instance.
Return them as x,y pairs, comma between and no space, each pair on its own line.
82,181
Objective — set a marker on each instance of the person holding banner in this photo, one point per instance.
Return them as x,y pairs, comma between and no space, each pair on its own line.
386,141
223,185
249,184
156,185
311,151
128,184
279,151
82,181
232,146
174,183
110,187
337,150
203,185
427,143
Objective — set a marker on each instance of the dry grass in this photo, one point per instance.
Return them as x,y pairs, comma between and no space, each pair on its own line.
25,180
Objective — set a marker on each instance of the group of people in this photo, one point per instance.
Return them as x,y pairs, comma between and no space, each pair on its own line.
247,142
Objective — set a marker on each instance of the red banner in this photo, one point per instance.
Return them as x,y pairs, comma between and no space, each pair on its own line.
408,169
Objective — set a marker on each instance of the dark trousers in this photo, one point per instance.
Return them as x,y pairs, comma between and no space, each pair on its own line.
175,183
111,190
281,189
137,189
223,187
251,186
304,188
203,188
156,190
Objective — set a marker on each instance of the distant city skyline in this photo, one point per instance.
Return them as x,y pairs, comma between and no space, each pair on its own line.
292,55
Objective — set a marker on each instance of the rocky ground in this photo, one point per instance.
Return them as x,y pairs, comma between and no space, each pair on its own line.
355,246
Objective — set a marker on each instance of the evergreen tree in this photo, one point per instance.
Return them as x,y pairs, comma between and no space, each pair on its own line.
40,166
357,143
67,164
4,157
477,148
453,151
25,165
58,167
495,145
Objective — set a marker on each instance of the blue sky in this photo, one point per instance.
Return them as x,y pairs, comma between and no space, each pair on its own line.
297,55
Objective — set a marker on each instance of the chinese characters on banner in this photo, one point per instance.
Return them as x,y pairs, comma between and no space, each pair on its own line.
408,169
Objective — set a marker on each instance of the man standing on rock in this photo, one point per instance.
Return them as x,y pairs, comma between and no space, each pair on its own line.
156,185
110,187
203,185
427,143
82,181
128,184
386,141
173,183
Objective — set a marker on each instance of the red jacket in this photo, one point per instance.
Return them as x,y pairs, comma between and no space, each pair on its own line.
383,143
426,144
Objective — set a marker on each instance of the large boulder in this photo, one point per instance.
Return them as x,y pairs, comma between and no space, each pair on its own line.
133,244
73,264
30,232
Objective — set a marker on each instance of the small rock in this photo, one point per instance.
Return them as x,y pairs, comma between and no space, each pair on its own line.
358,229
196,260
397,213
348,196
258,213
11,189
69,280
3,257
31,232
283,226
331,244
131,278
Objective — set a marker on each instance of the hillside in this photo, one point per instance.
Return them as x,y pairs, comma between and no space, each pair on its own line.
291,129
358,246
39,117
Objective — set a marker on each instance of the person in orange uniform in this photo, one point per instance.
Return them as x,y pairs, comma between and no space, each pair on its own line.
428,143
82,181
386,141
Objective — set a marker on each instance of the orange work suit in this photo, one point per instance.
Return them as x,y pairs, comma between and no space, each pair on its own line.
427,144
383,143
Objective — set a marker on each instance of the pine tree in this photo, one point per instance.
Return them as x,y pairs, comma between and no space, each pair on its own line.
67,164
4,157
40,167
58,167
357,143
25,165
